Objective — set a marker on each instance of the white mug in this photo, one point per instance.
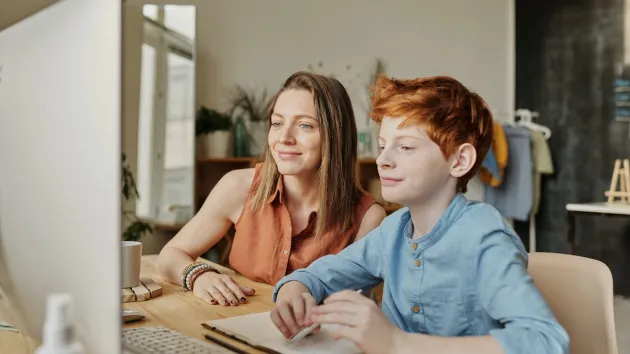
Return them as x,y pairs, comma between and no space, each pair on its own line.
131,257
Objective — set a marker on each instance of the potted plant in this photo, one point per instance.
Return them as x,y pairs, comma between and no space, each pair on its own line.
136,228
212,129
253,108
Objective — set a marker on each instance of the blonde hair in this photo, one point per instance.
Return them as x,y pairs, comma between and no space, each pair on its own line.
339,190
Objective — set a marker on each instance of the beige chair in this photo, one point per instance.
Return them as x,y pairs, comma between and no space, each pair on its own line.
580,293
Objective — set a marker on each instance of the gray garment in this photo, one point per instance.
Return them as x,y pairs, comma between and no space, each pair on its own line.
513,198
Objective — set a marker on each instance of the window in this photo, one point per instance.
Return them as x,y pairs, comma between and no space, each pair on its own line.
166,131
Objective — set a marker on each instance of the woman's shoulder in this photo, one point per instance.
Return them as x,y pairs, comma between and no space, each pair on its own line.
236,184
240,178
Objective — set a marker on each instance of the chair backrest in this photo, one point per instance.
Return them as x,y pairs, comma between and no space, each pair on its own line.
579,291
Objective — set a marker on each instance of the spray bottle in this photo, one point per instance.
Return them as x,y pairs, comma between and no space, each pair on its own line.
58,334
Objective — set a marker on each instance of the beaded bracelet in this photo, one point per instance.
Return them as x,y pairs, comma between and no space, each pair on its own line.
193,271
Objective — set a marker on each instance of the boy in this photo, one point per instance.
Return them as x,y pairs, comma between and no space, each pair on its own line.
455,273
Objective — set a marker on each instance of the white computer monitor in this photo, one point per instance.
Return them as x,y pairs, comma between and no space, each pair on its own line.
60,161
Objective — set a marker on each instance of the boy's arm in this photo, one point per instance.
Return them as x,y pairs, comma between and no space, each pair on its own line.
508,294
358,266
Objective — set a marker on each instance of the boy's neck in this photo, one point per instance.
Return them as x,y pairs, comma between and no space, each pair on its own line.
426,213
301,192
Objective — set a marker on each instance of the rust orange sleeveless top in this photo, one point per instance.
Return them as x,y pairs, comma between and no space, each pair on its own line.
265,248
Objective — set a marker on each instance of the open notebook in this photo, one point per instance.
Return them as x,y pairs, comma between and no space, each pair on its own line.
258,329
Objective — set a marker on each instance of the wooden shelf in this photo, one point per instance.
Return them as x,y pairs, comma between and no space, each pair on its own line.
247,160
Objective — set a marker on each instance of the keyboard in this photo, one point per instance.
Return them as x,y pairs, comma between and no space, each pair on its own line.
160,340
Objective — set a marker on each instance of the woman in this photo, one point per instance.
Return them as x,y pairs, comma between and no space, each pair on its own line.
301,203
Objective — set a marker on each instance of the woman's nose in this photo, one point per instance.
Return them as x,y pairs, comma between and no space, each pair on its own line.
286,135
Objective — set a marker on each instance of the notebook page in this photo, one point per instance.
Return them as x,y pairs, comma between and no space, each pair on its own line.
259,328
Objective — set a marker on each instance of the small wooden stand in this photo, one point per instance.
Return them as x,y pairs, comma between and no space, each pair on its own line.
146,290
621,175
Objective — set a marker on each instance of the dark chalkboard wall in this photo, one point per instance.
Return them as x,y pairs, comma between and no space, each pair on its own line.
568,55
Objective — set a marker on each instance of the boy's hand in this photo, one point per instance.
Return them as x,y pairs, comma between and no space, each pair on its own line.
361,320
291,313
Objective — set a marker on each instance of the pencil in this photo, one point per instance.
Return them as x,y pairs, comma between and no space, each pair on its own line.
225,344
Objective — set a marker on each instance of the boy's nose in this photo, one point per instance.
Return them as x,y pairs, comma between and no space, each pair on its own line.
384,160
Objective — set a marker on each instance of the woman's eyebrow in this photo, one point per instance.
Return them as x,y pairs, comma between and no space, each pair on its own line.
298,116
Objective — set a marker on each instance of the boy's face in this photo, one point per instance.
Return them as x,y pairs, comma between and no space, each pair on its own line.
411,166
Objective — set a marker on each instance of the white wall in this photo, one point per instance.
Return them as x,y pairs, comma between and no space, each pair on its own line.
263,42
260,43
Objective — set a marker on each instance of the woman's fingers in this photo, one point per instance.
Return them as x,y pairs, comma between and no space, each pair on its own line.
226,292
205,296
217,295
235,290
246,290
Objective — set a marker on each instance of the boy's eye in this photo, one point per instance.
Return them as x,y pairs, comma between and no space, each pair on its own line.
381,147
407,148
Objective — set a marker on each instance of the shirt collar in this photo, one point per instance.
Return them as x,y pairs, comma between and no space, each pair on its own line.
278,192
446,220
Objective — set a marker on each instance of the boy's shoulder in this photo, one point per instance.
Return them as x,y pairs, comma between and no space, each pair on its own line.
482,223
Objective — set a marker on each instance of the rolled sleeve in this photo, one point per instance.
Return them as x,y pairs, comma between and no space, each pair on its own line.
358,266
508,294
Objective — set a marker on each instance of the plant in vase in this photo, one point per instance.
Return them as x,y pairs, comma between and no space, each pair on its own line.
212,130
136,228
253,107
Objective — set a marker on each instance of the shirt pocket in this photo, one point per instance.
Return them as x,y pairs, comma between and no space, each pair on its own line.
445,315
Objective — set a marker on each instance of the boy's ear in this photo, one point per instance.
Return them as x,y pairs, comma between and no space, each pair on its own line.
463,160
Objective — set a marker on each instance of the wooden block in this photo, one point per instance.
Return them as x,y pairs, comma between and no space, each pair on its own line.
146,290
142,293
154,288
128,295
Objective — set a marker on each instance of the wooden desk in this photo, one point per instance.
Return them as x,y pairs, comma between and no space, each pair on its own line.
603,208
182,311
176,309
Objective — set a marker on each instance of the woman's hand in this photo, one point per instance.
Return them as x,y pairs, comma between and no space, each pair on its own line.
220,289
361,320
290,315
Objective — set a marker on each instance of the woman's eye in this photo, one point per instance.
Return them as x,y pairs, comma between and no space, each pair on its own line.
407,148
276,124
306,126
381,147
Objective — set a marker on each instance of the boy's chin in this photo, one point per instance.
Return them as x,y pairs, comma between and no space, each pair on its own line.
393,198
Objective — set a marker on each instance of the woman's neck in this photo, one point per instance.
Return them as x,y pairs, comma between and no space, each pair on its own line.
426,214
302,191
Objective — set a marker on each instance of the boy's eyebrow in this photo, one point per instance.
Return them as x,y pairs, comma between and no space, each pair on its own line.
402,136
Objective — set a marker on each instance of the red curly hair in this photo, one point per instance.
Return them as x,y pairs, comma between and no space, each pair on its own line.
453,114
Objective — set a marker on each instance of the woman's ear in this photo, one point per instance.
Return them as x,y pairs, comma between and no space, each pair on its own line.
463,160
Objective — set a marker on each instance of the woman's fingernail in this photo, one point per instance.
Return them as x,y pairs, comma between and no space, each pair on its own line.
234,302
242,299
213,302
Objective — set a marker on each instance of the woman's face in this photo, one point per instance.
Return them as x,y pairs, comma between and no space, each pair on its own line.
294,138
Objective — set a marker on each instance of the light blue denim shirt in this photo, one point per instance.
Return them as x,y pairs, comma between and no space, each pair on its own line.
467,277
